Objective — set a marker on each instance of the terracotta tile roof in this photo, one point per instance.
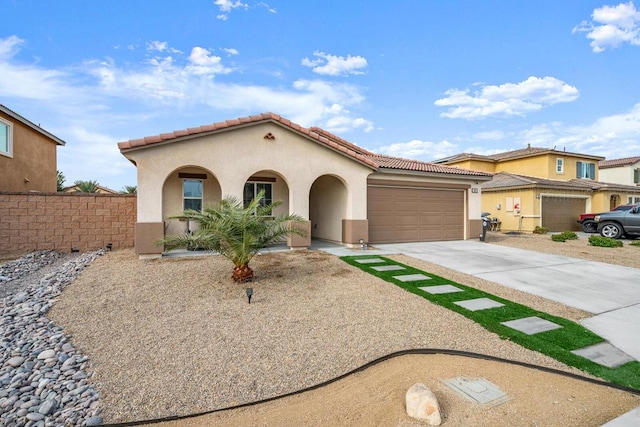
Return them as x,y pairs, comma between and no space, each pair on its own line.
30,124
514,154
321,136
626,161
505,180
389,162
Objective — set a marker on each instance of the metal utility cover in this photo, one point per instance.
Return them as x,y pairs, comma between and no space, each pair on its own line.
478,390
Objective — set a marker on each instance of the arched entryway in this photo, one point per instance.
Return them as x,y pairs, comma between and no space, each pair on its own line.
189,187
327,208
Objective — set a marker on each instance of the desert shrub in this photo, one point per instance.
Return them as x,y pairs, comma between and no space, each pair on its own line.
540,230
569,235
605,242
564,236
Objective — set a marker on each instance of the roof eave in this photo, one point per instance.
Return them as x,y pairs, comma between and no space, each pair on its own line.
32,125
465,177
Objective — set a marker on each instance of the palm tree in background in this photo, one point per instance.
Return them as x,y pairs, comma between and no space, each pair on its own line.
236,232
129,189
86,186
61,178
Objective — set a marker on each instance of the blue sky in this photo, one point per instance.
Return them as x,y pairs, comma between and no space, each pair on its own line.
416,79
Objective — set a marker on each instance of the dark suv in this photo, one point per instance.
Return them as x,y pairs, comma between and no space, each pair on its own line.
617,223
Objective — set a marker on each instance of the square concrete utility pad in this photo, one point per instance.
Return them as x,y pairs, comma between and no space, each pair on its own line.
370,260
478,390
440,289
479,304
412,277
604,354
388,267
531,325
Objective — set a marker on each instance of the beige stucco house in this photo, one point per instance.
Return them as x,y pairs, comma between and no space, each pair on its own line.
346,193
538,186
28,158
625,171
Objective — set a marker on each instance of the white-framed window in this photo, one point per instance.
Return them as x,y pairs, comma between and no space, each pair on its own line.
632,200
192,194
559,165
6,138
585,170
251,190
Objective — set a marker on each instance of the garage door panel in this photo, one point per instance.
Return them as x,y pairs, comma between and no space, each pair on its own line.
414,214
560,213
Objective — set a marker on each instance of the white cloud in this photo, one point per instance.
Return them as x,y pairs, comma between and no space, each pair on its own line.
419,150
230,51
226,6
494,135
203,63
331,65
90,101
509,99
160,47
611,136
266,6
612,26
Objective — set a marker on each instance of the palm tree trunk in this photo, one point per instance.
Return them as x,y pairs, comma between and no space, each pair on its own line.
242,274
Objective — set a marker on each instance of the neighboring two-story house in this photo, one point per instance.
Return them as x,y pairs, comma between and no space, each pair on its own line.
622,171
28,159
545,187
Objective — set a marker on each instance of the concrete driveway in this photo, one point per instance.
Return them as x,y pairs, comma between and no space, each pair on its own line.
610,292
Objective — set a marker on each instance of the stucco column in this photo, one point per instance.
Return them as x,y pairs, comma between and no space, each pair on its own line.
299,204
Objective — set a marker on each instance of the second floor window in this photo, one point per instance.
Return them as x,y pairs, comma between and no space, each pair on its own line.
585,170
5,138
559,165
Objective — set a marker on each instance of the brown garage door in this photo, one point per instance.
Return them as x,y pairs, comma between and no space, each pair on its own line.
399,214
561,213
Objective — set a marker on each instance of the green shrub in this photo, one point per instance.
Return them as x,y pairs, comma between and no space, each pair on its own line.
636,243
564,236
540,230
605,242
569,235
558,238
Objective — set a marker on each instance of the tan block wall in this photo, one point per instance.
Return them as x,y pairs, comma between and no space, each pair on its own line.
61,221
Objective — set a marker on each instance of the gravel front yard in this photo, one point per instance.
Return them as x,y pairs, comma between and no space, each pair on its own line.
176,336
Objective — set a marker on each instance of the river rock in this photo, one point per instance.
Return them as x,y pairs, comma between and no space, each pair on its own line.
422,404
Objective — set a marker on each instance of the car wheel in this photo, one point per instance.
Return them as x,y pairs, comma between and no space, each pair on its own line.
589,227
611,229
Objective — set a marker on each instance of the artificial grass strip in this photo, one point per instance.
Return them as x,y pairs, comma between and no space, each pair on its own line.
557,343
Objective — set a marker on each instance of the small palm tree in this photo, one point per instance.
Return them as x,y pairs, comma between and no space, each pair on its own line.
86,186
236,232
129,189
60,179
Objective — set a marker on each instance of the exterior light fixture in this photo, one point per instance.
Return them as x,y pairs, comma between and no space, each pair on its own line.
109,246
249,292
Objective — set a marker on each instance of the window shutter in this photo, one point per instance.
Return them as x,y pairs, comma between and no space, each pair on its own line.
578,169
636,176
592,171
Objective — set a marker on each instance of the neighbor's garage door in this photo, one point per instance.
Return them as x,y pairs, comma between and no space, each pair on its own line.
398,214
561,213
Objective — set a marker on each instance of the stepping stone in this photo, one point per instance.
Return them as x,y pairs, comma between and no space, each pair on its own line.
370,260
604,354
441,289
531,325
478,390
388,267
479,304
412,277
